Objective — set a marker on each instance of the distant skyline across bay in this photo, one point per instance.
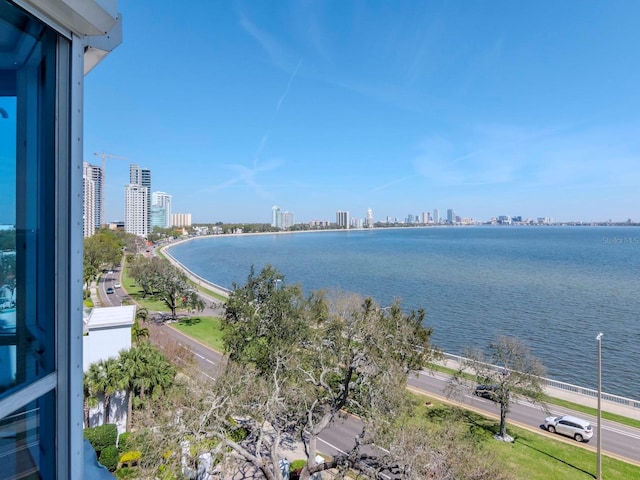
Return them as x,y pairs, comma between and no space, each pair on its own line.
488,108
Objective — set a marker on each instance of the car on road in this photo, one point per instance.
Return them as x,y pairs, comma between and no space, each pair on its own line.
489,392
116,285
110,290
110,272
574,427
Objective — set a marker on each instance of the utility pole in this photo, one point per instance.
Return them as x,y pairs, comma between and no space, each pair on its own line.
599,449
104,157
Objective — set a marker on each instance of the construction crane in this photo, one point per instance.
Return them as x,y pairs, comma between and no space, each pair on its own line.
104,157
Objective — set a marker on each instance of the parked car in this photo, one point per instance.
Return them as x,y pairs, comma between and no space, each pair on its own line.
116,285
573,427
489,392
110,290
6,303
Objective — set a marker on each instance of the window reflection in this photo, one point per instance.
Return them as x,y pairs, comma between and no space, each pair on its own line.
8,284
27,198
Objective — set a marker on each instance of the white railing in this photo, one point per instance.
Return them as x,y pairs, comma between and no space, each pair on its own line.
576,389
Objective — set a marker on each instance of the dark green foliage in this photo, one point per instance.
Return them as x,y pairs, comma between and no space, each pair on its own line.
7,240
160,279
102,250
238,434
263,318
109,457
123,442
102,437
126,473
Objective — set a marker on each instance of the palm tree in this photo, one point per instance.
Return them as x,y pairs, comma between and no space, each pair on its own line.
89,398
96,378
131,364
138,333
109,380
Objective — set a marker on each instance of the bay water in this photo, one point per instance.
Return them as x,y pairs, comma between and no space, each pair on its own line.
554,288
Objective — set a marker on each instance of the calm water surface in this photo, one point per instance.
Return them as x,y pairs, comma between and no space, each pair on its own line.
554,288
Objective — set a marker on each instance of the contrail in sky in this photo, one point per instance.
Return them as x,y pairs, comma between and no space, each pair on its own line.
293,75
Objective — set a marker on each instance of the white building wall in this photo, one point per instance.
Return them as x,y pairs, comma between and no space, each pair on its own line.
104,343
181,220
88,206
135,209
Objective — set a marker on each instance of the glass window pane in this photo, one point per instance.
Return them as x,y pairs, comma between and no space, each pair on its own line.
27,198
26,440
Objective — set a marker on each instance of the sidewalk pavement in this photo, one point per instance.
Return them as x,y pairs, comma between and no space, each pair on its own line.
610,406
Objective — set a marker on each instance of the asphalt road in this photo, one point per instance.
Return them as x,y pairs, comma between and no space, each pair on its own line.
617,440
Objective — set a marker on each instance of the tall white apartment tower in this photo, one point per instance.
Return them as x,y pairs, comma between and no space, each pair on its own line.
88,202
276,217
369,218
287,220
163,200
142,177
96,175
436,216
342,219
136,209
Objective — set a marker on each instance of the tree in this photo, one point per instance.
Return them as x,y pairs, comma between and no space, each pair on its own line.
137,332
105,378
89,397
141,370
510,370
310,358
101,250
159,278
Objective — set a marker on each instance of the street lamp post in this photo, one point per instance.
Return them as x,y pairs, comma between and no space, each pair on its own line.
599,448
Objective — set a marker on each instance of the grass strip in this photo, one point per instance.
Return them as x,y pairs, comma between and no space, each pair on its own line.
207,330
136,294
614,417
532,456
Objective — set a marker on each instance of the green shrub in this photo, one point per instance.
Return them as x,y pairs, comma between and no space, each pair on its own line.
123,442
109,457
238,434
102,437
126,473
297,465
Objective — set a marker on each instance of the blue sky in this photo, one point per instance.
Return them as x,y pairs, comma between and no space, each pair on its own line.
491,108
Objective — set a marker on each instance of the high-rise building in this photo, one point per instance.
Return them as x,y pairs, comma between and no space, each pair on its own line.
436,216
369,218
142,177
181,220
276,217
342,219
157,217
163,201
96,175
451,216
287,220
88,201
136,211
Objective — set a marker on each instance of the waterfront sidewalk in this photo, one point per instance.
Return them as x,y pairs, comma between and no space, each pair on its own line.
571,393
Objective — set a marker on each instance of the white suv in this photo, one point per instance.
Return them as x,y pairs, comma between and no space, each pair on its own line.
570,426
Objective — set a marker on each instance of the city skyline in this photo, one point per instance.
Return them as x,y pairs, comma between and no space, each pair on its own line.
499,109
